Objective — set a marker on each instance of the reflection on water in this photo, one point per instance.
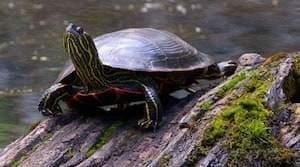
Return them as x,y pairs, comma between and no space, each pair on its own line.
31,54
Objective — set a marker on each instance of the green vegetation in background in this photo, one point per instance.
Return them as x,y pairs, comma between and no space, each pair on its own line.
9,127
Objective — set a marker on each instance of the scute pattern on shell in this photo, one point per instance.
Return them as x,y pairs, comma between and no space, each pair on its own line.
147,49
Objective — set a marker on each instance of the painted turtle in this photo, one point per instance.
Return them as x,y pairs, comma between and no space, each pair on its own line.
127,65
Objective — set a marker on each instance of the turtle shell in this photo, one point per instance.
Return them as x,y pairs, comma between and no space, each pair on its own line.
146,50
150,50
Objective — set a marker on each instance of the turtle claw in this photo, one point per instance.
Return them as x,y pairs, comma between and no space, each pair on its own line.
47,106
47,112
51,112
146,124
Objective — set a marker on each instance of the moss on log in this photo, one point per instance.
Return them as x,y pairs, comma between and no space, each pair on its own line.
251,119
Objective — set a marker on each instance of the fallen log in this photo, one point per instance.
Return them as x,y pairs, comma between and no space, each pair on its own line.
251,119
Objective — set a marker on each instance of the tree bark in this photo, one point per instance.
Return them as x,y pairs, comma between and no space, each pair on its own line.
113,140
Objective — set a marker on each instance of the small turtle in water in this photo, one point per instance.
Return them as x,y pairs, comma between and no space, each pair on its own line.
126,66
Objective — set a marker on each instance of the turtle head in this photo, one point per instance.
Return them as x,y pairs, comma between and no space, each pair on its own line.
74,29
79,43
80,47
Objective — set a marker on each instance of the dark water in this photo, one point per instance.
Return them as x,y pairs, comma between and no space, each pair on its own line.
31,53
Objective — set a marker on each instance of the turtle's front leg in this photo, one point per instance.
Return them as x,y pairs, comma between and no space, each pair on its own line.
153,107
49,101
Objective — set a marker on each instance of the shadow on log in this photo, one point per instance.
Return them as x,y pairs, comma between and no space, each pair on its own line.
251,119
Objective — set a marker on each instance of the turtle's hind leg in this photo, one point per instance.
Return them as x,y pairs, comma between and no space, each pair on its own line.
153,107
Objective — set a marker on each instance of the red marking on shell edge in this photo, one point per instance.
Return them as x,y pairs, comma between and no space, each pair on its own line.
127,91
109,96
112,90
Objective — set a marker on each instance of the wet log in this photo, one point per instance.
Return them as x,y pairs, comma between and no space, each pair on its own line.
250,119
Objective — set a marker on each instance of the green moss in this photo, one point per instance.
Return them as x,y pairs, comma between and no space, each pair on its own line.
206,106
18,162
15,164
227,87
245,126
197,152
246,115
231,84
297,65
217,130
165,160
104,138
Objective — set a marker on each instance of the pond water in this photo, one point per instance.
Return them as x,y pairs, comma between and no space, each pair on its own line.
31,53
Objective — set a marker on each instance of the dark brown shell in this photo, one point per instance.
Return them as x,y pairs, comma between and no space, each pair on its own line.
145,49
151,50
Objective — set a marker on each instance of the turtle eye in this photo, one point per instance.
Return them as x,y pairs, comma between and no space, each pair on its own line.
74,30
79,30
